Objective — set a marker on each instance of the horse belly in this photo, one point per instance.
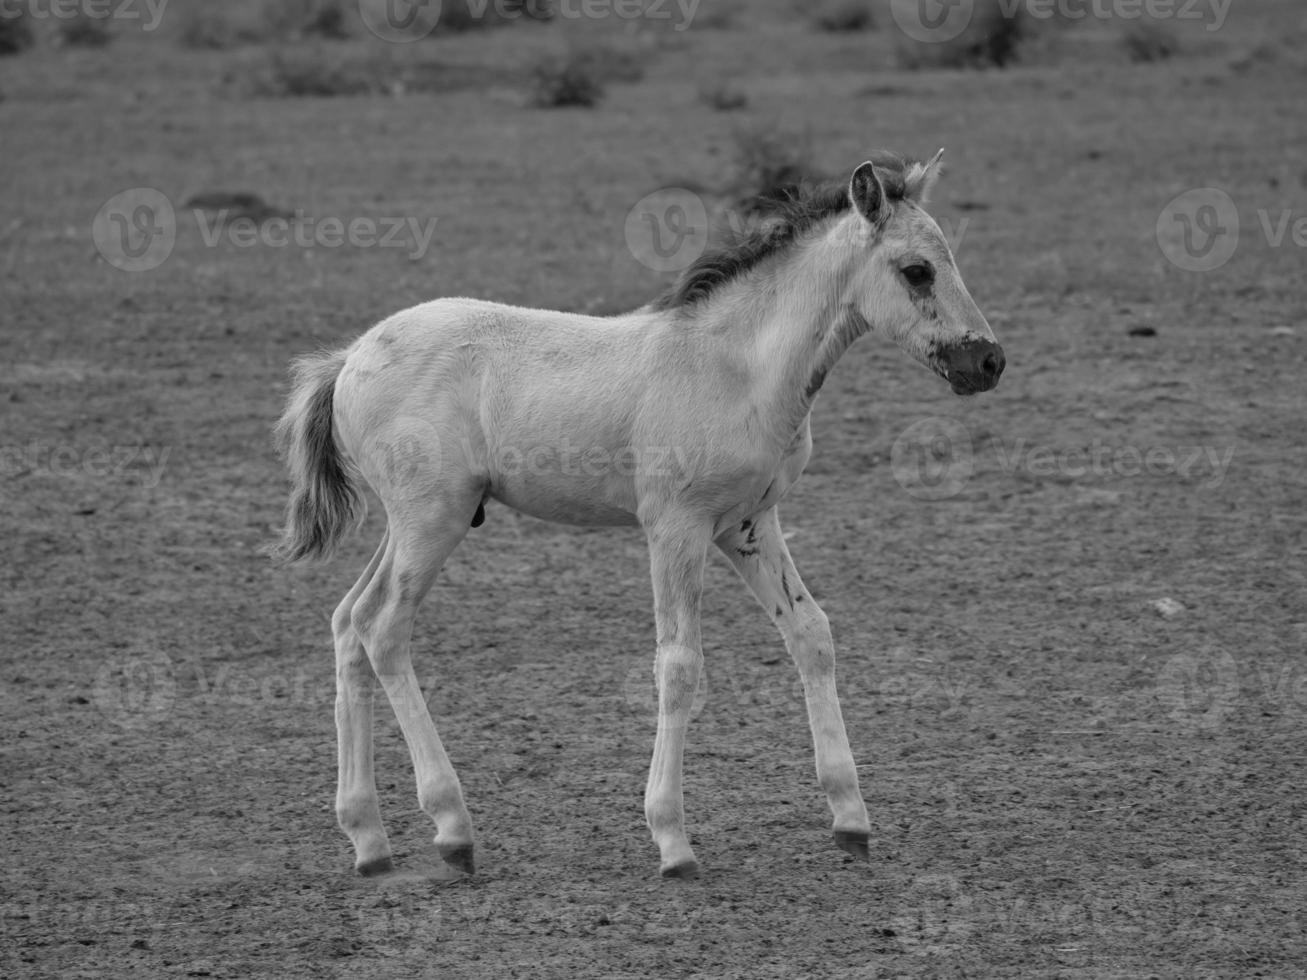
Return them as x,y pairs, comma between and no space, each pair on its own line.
566,498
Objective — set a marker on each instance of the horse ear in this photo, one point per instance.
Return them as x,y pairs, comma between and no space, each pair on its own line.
868,194
920,179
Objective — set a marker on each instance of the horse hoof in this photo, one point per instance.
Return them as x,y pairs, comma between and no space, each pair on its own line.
855,842
687,870
375,866
457,856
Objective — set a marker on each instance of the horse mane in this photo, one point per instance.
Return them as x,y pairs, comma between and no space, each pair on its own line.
778,217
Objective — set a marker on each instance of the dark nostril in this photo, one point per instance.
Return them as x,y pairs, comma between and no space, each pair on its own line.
991,365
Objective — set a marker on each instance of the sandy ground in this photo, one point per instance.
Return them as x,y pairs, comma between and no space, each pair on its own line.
1071,635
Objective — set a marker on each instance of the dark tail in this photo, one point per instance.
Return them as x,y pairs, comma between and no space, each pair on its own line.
324,503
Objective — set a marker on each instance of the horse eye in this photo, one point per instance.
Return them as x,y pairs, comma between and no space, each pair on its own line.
918,275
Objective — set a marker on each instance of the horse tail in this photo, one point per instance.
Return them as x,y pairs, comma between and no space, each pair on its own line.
324,503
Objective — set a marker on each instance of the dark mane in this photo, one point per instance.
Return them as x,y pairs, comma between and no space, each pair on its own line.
777,218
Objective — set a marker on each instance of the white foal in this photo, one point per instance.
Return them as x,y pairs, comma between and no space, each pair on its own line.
688,417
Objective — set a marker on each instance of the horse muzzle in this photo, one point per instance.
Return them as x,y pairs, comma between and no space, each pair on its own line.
972,366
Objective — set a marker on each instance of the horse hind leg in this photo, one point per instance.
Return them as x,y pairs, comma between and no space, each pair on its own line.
357,809
419,540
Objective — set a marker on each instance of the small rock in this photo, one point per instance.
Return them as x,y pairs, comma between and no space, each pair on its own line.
1167,607
1283,332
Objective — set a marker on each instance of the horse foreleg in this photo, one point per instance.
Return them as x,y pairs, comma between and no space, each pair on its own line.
757,550
676,557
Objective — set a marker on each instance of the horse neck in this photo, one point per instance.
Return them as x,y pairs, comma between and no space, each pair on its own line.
793,322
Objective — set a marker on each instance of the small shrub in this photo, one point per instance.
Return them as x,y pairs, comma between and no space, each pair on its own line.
85,31
212,28
312,73
770,163
723,96
843,16
1260,55
287,18
610,64
459,16
719,16
578,78
15,32
569,81
991,39
323,71
329,22
1149,41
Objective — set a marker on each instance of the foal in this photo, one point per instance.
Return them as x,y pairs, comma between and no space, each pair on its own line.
688,417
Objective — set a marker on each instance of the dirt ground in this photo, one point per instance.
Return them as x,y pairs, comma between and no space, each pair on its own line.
1070,615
